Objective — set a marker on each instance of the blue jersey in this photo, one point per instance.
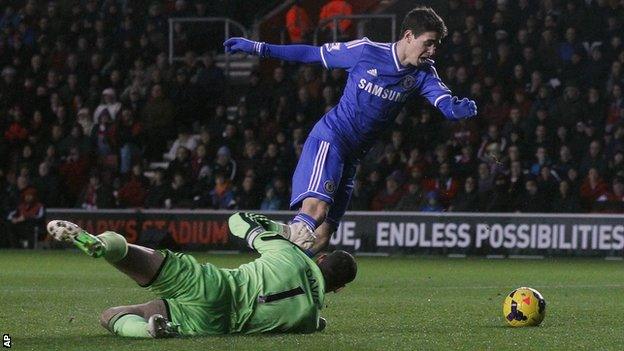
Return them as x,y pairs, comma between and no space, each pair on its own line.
377,88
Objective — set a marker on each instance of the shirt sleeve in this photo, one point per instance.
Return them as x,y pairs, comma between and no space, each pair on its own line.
433,89
342,55
265,241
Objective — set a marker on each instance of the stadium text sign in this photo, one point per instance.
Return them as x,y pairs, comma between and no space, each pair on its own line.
381,232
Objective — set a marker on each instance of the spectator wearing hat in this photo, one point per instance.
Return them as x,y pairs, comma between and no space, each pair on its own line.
26,220
224,164
185,139
109,102
85,119
105,141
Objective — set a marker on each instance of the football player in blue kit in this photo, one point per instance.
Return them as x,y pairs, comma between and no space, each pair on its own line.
382,77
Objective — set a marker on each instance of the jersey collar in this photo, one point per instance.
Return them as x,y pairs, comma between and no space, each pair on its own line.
395,57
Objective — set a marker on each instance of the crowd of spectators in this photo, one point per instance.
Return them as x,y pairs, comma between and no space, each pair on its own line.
88,100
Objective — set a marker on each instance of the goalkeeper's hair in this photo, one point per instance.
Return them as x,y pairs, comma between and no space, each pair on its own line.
338,268
423,19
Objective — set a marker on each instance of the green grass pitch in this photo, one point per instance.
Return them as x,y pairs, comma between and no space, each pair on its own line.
50,300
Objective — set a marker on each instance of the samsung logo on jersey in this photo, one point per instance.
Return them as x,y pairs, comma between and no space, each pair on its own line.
381,92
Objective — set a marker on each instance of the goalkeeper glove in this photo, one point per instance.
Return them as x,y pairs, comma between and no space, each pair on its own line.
247,46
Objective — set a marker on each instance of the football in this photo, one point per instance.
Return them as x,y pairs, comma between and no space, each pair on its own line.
524,307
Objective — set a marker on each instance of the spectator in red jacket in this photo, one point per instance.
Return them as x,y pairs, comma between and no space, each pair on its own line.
74,172
26,221
133,192
389,196
298,23
16,132
612,201
444,185
592,188
335,8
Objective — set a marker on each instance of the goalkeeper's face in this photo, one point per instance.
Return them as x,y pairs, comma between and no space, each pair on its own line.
421,47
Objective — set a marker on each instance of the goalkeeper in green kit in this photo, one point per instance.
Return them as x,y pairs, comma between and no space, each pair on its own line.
282,291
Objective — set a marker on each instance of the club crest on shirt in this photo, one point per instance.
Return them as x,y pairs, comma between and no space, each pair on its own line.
408,82
329,186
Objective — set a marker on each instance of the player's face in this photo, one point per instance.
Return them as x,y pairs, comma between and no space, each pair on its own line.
421,47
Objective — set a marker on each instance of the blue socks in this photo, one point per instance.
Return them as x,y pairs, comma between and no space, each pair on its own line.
302,217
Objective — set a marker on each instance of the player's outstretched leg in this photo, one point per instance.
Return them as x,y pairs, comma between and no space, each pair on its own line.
139,263
110,245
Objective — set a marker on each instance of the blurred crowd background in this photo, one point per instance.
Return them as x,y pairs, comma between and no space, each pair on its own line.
93,115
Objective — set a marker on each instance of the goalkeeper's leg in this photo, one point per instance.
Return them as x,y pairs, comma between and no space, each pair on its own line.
148,320
138,262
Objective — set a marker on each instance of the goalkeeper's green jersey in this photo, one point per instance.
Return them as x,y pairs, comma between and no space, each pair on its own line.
282,291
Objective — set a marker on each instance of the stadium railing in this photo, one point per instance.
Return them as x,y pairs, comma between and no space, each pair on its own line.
227,29
323,23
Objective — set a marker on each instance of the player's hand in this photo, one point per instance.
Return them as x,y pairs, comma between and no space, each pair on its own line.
464,108
247,46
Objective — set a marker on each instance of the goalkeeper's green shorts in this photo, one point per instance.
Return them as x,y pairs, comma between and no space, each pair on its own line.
197,296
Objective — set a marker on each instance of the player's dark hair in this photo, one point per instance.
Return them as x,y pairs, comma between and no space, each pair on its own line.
423,19
338,268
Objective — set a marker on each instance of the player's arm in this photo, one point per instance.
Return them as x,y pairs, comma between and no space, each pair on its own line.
440,96
246,227
333,55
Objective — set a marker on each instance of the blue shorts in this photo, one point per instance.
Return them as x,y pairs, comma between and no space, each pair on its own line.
325,173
